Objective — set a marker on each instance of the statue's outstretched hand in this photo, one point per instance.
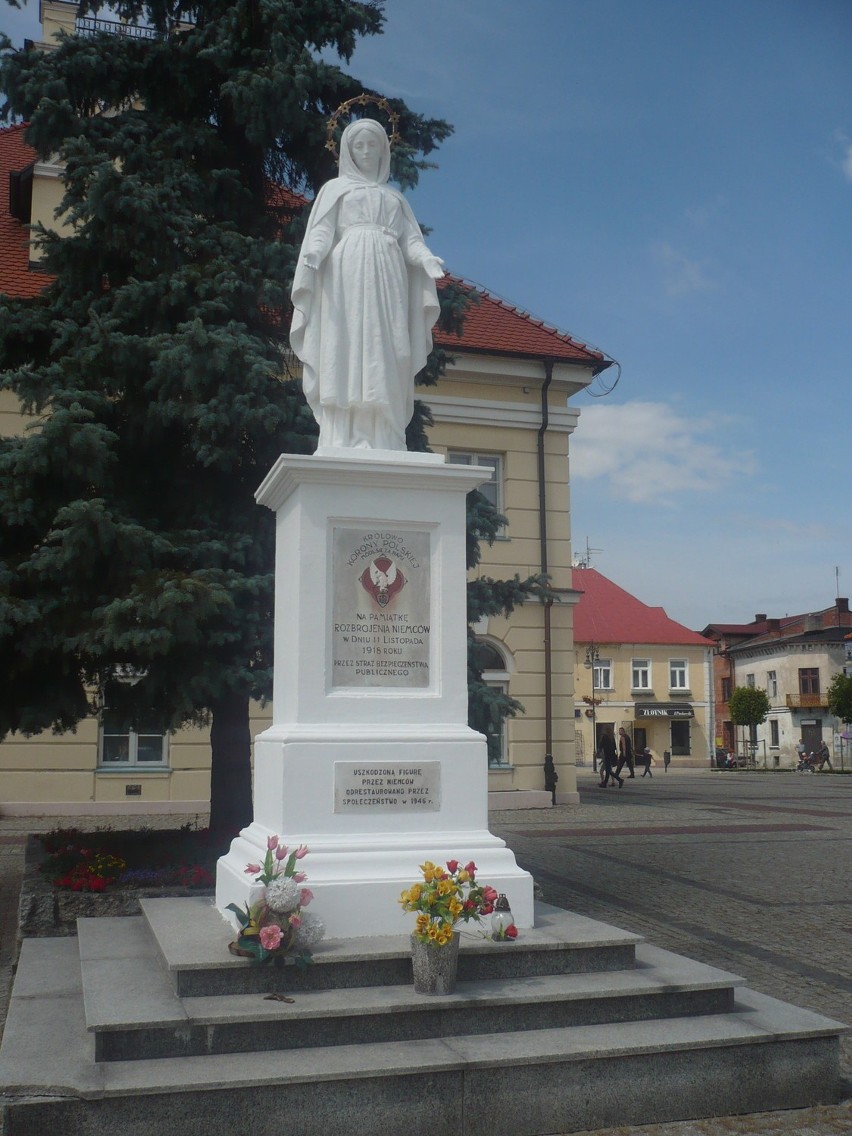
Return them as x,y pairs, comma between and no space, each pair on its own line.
434,267
311,260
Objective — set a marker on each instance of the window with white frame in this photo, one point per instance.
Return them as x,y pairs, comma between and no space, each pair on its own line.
750,682
603,674
493,488
140,742
772,684
641,672
773,733
678,674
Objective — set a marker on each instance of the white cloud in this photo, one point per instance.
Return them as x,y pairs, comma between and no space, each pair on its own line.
650,454
788,529
845,160
681,275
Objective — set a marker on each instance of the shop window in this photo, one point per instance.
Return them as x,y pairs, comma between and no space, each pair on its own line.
680,738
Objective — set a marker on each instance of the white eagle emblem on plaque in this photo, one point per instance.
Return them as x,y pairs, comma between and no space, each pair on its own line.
382,579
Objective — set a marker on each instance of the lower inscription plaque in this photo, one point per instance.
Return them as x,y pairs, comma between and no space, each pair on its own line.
387,787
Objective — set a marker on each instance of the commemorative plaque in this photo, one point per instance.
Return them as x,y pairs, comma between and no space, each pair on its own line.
387,787
381,608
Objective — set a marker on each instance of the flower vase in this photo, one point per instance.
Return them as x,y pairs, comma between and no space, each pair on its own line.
435,967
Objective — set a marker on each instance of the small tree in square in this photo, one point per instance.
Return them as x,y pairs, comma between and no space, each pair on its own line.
840,697
748,706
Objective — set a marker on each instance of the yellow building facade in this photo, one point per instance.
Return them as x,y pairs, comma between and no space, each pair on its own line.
640,670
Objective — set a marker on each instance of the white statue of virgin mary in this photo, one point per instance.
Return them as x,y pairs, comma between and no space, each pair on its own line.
364,300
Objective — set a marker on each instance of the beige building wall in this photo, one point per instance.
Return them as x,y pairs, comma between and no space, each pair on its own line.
492,407
60,774
617,705
12,422
48,191
775,669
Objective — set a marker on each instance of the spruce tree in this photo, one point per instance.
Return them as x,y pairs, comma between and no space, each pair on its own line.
129,534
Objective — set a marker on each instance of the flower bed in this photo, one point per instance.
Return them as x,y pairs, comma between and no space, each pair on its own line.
69,874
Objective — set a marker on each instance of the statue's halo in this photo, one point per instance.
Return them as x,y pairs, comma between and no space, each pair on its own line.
361,100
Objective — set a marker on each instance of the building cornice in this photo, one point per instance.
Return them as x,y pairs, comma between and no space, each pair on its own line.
48,170
485,412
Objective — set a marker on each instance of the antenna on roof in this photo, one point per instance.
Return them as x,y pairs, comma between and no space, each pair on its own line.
586,561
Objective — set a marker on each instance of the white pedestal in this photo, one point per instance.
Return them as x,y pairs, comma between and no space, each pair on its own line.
369,761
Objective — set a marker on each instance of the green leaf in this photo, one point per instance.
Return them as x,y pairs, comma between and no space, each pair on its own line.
242,915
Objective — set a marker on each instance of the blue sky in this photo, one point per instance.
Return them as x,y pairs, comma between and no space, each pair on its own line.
670,181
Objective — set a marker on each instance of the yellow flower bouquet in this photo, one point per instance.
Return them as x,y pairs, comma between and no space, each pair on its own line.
446,897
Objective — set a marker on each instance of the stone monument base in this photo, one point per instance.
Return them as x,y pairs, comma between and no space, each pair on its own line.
369,760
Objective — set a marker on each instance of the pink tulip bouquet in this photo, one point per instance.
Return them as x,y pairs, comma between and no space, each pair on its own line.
275,924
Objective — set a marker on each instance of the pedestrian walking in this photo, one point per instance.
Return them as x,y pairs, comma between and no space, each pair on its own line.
666,759
824,757
609,756
648,758
625,753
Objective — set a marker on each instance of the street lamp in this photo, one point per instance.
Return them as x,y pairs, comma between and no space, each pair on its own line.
592,656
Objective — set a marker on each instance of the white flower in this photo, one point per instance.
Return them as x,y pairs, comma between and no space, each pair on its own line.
309,931
282,895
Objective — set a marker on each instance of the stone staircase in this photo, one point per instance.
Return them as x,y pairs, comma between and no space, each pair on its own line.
146,1023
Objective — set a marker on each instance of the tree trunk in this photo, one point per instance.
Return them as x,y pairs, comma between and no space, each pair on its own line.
230,771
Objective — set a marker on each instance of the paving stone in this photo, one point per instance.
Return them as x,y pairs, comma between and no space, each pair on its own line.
772,905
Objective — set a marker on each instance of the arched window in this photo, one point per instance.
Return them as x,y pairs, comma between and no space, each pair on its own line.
497,666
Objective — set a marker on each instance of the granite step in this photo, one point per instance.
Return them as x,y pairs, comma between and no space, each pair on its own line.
192,940
134,1012
763,1055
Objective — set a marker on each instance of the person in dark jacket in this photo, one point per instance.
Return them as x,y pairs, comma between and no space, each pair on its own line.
625,753
824,757
609,756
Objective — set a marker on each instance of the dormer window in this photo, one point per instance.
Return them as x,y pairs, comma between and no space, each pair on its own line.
21,193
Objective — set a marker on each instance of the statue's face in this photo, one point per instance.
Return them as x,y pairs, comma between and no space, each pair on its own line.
366,153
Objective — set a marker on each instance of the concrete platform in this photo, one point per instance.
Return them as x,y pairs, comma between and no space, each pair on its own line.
99,1039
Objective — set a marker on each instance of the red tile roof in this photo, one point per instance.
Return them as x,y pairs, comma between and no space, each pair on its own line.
609,614
494,327
16,276
764,629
